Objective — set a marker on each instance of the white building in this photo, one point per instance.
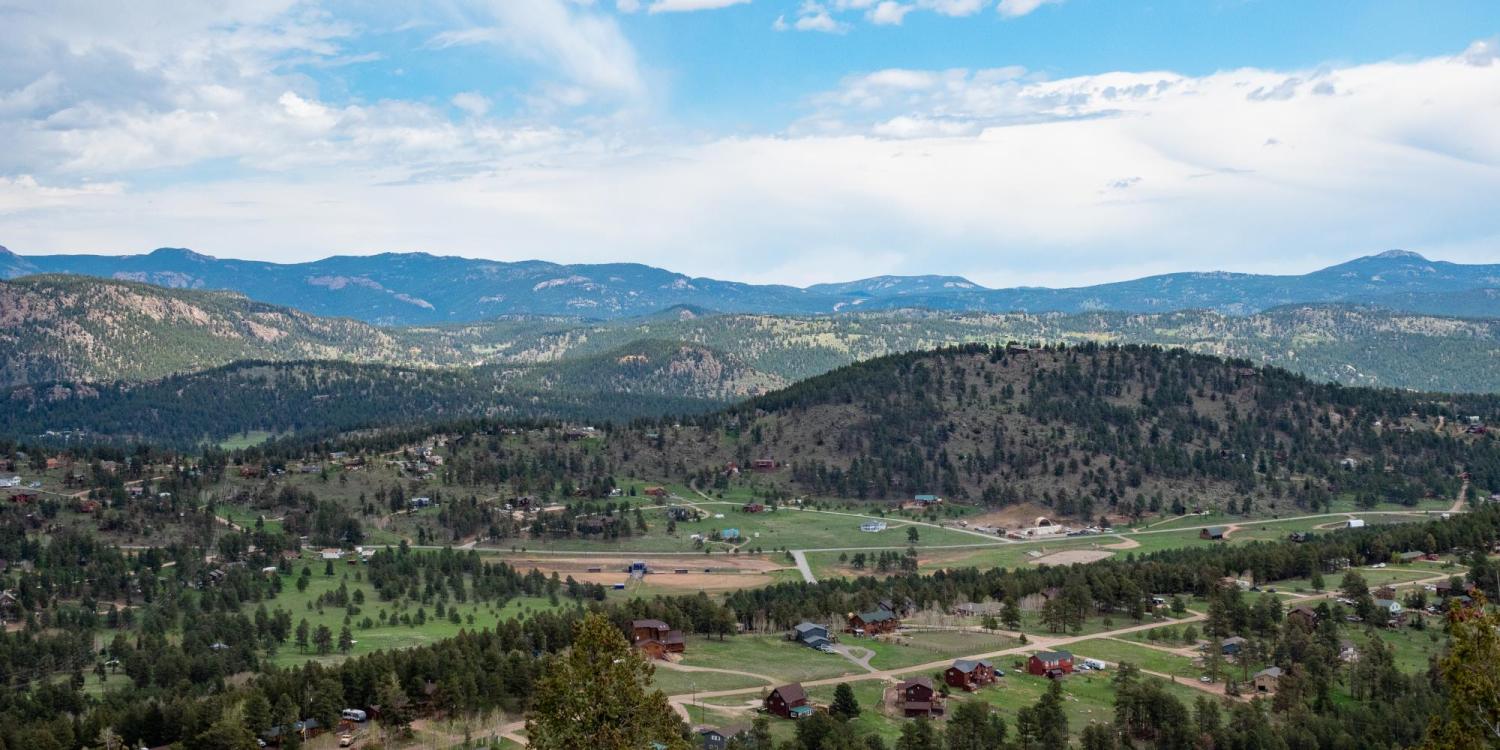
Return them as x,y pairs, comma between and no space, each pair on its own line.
1356,523
872,526
10,481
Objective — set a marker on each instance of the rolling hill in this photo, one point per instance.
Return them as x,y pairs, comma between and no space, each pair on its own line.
80,329
418,288
304,398
1089,429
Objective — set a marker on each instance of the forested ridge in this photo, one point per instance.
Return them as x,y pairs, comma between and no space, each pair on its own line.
316,397
1087,430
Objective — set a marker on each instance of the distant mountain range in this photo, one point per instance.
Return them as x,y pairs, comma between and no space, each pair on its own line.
421,289
77,329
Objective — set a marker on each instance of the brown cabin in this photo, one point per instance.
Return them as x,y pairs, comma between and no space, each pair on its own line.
656,638
1305,614
916,697
969,674
763,464
789,702
656,492
874,622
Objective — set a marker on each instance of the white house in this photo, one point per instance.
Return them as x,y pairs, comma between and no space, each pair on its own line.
10,481
872,526
1356,523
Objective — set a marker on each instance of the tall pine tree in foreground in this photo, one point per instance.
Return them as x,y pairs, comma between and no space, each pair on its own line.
599,696
1472,718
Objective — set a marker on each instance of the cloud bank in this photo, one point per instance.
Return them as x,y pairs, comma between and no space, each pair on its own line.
208,133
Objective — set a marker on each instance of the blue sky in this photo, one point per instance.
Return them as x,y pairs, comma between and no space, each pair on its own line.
1012,141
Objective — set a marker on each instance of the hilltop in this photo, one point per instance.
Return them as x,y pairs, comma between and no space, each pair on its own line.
1085,430
419,288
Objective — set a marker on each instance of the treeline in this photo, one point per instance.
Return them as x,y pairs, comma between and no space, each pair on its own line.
1119,584
185,411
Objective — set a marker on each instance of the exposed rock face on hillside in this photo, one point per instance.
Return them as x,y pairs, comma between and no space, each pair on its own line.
72,328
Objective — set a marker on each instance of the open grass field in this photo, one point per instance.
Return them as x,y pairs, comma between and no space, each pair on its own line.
247,440
1089,697
922,647
1413,647
1031,623
673,682
303,605
784,529
1114,651
1391,574
770,655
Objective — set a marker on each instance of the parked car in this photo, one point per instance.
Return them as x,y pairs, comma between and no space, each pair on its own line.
1205,679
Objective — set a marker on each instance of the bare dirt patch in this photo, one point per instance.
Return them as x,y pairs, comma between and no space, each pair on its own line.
1124,543
1023,515
708,573
1070,556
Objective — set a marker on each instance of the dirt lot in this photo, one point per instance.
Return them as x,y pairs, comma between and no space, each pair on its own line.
1015,516
728,573
1070,556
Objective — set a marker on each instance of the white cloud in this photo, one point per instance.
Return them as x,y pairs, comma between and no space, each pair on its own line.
1482,52
996,173
584,45
835,15
1018,8
889,13
472,102
952,7
812,16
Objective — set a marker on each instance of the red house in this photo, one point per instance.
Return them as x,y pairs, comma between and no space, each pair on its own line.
657,638
970,674
1050,663
656,491
915,697
789,702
